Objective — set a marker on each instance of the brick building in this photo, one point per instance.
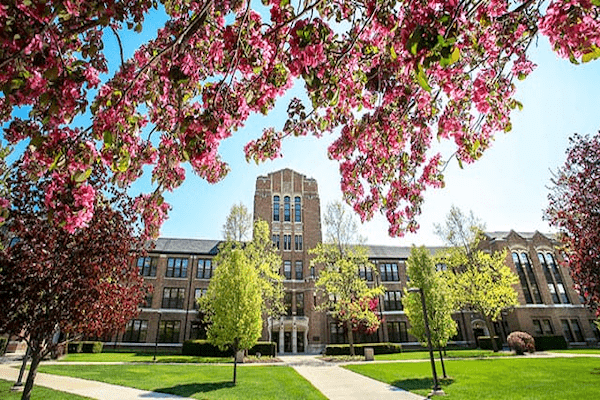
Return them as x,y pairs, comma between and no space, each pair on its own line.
180,271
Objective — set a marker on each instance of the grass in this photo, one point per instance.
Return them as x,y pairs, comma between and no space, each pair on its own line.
38,393
577,351
142,357
499,379
423,355
199,381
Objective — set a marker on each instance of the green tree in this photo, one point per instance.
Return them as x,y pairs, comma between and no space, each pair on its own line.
238,224
234,300
350,300
420,267
479,281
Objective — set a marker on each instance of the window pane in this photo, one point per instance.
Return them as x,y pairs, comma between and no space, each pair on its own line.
286,208
577,330
299,274
275,208
297,209
537,327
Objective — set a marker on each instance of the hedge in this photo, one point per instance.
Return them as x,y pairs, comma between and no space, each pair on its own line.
3,344
359,349
85,347
205,349
485,343
556,342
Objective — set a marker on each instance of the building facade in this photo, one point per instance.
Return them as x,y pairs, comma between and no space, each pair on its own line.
180,271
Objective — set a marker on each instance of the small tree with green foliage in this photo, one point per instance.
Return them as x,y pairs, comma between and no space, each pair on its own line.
238,223
350,300
234,300
420,267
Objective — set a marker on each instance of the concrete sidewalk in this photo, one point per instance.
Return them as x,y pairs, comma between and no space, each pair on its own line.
338,383
83,387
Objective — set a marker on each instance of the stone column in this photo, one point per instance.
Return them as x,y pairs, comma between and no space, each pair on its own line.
294,336
281,340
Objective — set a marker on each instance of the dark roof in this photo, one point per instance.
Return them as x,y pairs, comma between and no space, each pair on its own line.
501,235
187,246
394,252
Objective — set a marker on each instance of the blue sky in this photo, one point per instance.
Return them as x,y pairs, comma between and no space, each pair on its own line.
506,189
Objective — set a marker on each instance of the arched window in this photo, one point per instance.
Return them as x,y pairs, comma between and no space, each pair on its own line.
557,278
522,278
275,208
535,290
286,209
297,209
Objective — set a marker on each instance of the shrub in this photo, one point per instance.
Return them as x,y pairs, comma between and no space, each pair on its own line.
264,348
556,342
359,349
521,342
74,347
202,348
485,343
3,344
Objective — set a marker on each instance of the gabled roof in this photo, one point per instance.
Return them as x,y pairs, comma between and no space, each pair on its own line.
503,235
187,246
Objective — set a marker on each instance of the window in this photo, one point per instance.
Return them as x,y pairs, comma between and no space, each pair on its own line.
136,331
543,327
389,272
392,301
177,267
275,208
526,278
287,270
205,269
397,332
198,331
287,242
557,278
147,266
286,209
312,272
595,329
299,271
300,304
276,241
297,209
168,331
147,302
577,330
298,242
567,330
199,292
336,334
173,298
287,303
553,278
365,273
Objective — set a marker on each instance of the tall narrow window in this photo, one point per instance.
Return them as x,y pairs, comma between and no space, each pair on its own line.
287,242
522,278
557,278
549,280
567,330
531,276
205,269
300,304
287,270
297,209
298,242
276,241
275,208
577,330
286,209
287,303
299,271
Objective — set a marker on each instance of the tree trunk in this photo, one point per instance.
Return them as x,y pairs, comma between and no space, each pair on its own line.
235,351
442,361
35,361
490,326
350,337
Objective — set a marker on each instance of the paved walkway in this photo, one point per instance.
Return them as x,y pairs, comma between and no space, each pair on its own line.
334,382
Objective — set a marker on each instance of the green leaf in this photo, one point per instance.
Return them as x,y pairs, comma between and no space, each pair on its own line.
108,138
393,53
81,176
592,55
413,41
422,78
124,163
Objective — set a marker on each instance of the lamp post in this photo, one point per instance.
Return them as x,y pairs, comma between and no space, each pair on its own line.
437,390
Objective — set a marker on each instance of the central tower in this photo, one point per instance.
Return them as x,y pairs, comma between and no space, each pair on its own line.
289,202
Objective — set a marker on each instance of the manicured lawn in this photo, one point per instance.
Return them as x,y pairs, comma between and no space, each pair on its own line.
38,393
199,381
423,355
515,378
142,357
577,351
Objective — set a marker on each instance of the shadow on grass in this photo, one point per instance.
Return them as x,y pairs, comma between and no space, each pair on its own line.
420,383
193,388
